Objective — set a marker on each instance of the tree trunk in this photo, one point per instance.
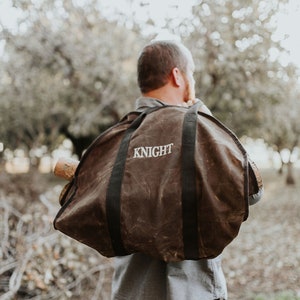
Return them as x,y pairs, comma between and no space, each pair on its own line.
290,179
35,163
280,170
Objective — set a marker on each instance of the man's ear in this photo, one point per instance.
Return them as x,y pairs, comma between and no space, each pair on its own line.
176,77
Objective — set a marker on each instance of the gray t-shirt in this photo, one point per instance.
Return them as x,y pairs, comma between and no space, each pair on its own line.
138,276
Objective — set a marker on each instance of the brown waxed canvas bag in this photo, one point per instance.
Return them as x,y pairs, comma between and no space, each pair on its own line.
169,182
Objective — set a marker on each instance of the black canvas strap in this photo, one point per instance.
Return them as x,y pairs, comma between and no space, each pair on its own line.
189,193
113,196
188,181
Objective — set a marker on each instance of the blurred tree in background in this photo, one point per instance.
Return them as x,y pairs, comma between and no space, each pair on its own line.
282,126
236,73
69,70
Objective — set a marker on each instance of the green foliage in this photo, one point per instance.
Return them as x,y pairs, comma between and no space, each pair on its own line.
231,42
66,69
69,71
282,125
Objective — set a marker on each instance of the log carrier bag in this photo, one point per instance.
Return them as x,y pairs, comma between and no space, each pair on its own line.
169,182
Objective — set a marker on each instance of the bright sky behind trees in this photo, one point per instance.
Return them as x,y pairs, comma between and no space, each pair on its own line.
288,21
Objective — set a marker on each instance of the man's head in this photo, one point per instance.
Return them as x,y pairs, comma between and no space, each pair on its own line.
166,64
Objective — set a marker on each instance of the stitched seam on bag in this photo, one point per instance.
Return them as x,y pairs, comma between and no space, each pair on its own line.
245,158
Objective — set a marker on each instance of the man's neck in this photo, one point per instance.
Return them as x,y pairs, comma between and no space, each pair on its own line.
166,96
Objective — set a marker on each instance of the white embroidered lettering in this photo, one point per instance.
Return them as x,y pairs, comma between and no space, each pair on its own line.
136,153
163,150
149,153
144,152
154,151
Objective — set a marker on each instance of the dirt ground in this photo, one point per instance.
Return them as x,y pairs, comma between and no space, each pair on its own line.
265,258
262,263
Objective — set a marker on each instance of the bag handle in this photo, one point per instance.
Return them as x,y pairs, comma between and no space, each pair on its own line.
113,196
189,193
188,183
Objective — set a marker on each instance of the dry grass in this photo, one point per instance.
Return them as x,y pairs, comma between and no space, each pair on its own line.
36,262
265,258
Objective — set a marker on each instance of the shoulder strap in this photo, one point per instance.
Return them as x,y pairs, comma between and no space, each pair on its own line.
188,182
189,193
113,196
